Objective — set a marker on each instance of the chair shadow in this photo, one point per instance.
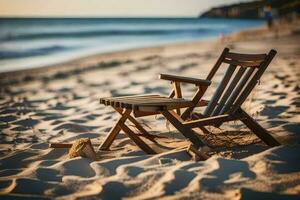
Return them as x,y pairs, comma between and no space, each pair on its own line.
252,194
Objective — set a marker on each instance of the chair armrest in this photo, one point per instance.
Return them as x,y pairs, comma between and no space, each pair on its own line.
183,79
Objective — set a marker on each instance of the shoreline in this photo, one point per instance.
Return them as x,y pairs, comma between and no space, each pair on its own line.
103,55
64,47
244,34
94,59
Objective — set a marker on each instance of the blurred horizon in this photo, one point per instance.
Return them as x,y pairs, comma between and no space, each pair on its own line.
35,42
108,8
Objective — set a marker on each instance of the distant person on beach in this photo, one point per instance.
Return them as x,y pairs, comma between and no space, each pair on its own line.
271,14
268,15
222,37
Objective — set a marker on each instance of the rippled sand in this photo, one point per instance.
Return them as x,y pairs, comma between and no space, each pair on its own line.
61,104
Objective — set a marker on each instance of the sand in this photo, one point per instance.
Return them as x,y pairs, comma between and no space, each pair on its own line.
61,104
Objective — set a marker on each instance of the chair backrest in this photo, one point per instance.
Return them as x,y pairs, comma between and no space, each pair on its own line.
232,91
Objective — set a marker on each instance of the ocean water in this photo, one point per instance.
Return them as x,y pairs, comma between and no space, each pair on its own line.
36,42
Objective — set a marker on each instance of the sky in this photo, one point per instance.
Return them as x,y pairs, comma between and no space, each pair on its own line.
107,8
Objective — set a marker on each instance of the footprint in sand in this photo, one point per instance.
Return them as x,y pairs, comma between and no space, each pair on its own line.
8,118
273,111
74,128
27,122
245,193
223,174
292,128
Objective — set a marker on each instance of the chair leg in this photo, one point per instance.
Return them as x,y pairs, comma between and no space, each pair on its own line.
257,129
176,121
121,125
114,131
140,143
138,126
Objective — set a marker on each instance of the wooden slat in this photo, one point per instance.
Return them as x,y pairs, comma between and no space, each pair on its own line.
222,85
229,91
138,98
159,103
153,100
156,103
245,93
242,63
101,100
183,79
115,101
144,99
132,96
245,57
208,121
107,100
217,64
175,120
237,91
130,103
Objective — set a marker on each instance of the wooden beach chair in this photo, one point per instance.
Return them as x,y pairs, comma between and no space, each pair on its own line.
224,105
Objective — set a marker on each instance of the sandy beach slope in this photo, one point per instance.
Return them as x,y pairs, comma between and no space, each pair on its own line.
60,104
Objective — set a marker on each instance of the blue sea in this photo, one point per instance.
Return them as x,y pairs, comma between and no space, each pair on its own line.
36,42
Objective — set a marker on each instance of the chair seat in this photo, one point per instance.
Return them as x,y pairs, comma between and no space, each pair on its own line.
151,103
